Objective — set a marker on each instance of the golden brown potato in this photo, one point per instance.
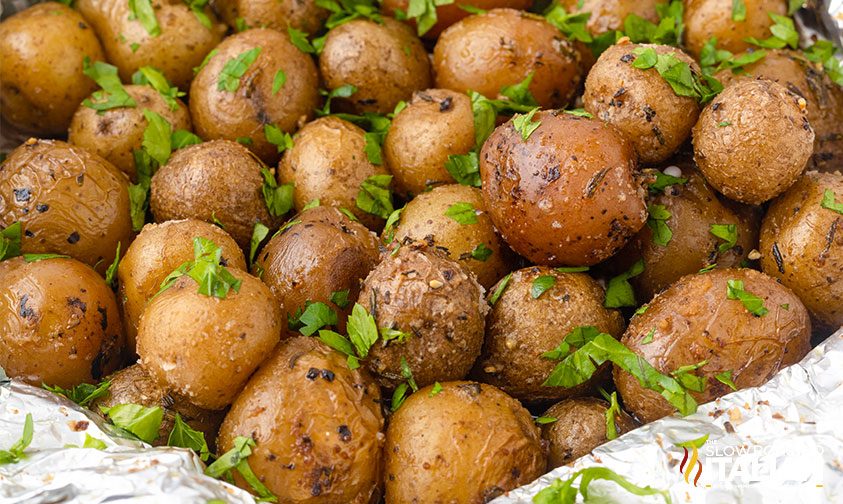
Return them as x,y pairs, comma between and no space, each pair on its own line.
328,163
302,15
802,245
180,46
317,426
753,141
694,321
448,14
323,252
114,134
468,443
154,254
641,103
41,79
204,348
254,101
437,306
566,195
436,123
385,62
520,328
59,323
713,18
218,180
486,52
68,201
473,244
608,15
580,427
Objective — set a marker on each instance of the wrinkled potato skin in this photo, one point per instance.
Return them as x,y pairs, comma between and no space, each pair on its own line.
116,133
446,15
181,45
640,103
764,149
319,438
218,113
323,253
59,323
437,123
386,62
133,385
302,15
77,203
467,444
486,52
520,329
328,162
204,348
422,293
808,241
424,219
41,80
608,15
156,252
694,321
557,199
219,179
712,18
580,427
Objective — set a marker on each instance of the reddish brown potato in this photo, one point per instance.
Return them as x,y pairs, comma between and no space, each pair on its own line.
302,15
448,14
713,18
608,15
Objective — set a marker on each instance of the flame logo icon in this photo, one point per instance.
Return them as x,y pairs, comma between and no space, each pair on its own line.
690,468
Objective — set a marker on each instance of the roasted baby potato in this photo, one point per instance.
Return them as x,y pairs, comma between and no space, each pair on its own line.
302,15
608,15
448,14
705,19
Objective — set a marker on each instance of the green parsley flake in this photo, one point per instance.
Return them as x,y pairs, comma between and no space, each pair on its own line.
541,284
464,168
184,436
10,240
524,124
424,12
726,232
235,68
481,252
544,420
499,289
726,378
520,93
375,196
278,81
738,10
139,420
564,492
462,212
753,303
15,453
829,202
82,394
143,12
434,391
619,292
113,94
657,222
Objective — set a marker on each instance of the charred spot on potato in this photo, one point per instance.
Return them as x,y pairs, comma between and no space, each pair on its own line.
25,311
103,317
312,374
42,207
471,389
445,104
77,303
73,238
777,255
22,195
345,433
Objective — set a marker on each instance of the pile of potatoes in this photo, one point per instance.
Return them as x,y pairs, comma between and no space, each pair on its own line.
368,239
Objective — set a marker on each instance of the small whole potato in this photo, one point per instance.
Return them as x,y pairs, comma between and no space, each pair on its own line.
802,245
580,427
204,348
115,133
437,306
566,195
59,323
609,15
442,218
468,443
704,19
694,322
302,15
641,103
501,48
520,328
218,180
317,426
41,81
436,123
154,254
753,141
385,61
278,89
68,201
448,14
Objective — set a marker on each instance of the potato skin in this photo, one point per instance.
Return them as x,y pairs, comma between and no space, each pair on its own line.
204,348
608,15
317,425
155,253
694,321
467,444
580,427
519,329
386,62
802,245
41,80
764,147
116,133
219,179
302,15
59,323
422,293
486,52
640,103
557,199
436,123
68,201
322,253
448,14
424,219
218,113
181,45
712,18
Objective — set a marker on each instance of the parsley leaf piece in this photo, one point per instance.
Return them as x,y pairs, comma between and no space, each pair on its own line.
738,10
139,420
401,390
499,289
544,420
706,269
783,34
563,492
437,387
30,258
389,229
642,309
147,75
240,25
619,292
572,269
375,197
725,378
753,303
278,198
342,345
142,11
111,272
657,222
184,436
10,239
316,316
280,139
541,284
362,330
113,94
524,124
389,334
662,181
646,57
259,233
373,148
235,68
668,31
183,138
576,338
424,12
481,252
340,298
348,10
485,116
465,168
578,112
726,232
157,137
462,212
236,459
205,268
343,91
92,442
573,25
649,337
278,81
198,9
205,61
81,394
736,63
823,52
686,377
677,74
612,412
15,453
520,92
829,203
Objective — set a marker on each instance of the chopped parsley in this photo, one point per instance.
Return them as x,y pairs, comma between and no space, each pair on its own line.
280,139
143,12
111,271
481,252
259,233
677,74
783,34
657,222
138,420
343,91
147,75
278,198
236,459
205,268
544,420
619,292
401,391
375,196
541,284
663,181
753,303
564,492
738,10
576,338
340,298
520,93
15,453
524,124
726,232
82,394
316,315
464,168
434,391
113,94
184,436
343,11
829,203
612,412
462,212
10,239
278,81
726,378
499,289
235,68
